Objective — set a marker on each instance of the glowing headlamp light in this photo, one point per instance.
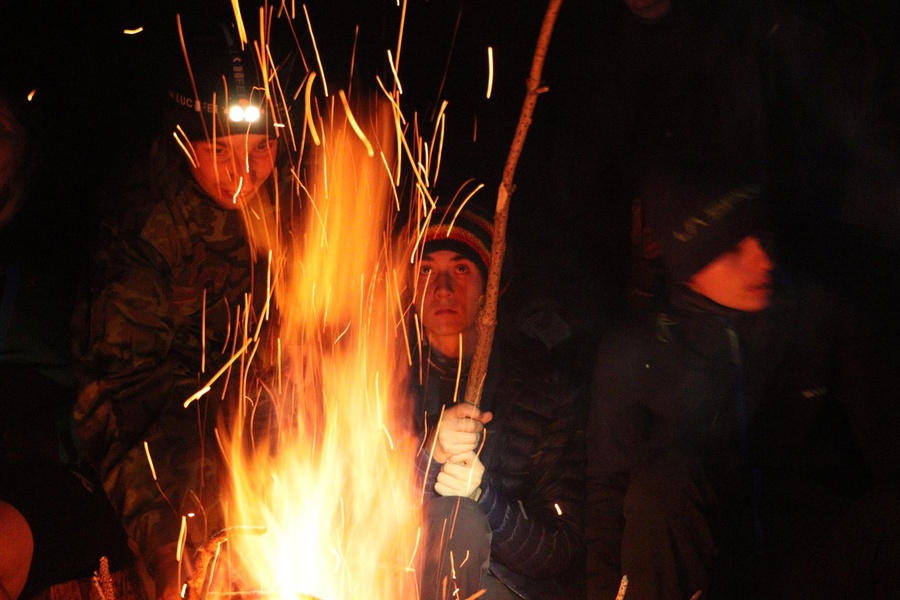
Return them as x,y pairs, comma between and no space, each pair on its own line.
246,114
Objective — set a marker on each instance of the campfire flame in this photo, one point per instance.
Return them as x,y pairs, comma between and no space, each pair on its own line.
322,497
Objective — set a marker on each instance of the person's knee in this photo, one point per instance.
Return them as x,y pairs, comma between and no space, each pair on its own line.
667,544
15,552
458,518
665,488
458,542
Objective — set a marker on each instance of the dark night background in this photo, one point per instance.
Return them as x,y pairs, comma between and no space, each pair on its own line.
809,91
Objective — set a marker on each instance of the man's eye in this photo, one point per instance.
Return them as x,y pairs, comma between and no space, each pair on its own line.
264,146
462,268
423,270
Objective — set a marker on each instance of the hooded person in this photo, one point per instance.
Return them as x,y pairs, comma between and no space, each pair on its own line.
737,426
178,260
502,480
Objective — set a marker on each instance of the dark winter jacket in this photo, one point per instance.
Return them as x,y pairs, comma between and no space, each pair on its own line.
789,396
533,458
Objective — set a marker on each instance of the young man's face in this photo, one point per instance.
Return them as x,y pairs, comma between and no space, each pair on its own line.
450,291
232,169
740,278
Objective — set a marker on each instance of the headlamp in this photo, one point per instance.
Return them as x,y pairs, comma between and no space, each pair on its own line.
245,114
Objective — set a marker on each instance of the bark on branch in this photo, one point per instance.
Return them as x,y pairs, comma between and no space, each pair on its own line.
487,318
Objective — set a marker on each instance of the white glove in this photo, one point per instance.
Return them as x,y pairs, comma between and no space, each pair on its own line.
458,432
461,476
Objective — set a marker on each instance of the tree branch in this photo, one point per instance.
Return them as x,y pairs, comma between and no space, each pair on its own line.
487,318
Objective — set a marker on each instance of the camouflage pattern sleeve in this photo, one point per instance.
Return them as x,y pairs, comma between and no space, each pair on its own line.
133,391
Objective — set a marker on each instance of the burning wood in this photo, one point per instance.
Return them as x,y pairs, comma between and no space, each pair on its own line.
329,479
320,455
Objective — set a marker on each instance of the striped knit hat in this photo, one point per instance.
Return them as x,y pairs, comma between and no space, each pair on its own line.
467,233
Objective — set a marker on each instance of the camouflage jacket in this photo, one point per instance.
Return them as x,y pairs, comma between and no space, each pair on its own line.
172,276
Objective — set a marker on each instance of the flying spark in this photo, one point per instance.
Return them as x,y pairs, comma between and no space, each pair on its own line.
490,84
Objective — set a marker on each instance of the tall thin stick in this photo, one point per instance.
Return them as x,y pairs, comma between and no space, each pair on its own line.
487,318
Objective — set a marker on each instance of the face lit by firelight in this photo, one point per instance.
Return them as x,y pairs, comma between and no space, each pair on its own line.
741,278
451,289
231,168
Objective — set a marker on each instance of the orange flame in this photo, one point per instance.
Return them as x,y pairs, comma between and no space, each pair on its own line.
329,474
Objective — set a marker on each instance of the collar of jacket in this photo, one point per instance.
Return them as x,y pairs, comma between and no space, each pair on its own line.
700,324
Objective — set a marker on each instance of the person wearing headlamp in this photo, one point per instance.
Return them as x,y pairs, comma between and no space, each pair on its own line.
222,119
178,260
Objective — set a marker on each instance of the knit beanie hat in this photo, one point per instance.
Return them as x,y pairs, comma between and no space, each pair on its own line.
467,233
697,216
220,85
